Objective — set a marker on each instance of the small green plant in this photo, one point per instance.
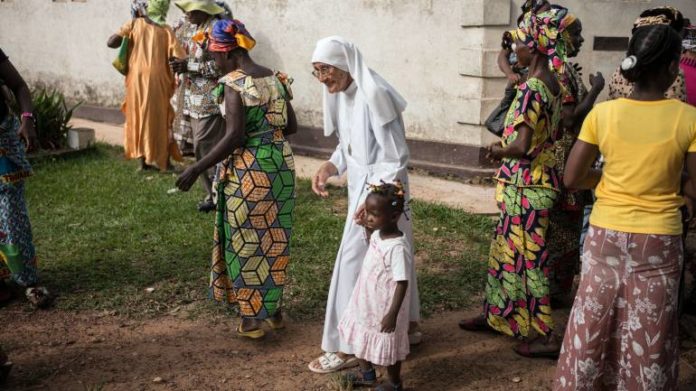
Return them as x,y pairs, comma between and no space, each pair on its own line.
52,117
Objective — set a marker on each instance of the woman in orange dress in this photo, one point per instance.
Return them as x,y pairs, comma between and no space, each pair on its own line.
149,88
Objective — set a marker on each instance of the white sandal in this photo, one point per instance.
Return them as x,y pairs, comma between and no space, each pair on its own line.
331,362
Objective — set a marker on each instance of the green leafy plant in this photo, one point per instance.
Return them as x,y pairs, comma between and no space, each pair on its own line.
52,117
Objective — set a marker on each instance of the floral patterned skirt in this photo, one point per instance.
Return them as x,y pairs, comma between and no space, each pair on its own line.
623,330
517,288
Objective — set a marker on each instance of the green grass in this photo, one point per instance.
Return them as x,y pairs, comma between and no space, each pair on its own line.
105,233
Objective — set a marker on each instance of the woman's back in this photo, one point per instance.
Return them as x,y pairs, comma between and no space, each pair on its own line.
644,144
264,99
150,48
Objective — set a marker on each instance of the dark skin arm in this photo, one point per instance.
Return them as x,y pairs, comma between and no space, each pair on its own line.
234,138
689,191
517,149
574,115
19,88
506,68
389,321
291,127
579,174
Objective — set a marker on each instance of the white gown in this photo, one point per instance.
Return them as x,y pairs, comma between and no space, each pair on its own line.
368,153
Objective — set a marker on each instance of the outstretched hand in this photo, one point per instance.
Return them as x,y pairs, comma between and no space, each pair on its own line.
187,178
319,179
597,81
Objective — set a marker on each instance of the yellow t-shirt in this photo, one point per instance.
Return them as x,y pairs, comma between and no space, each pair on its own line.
644,145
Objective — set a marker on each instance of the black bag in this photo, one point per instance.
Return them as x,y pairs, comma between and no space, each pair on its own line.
496,121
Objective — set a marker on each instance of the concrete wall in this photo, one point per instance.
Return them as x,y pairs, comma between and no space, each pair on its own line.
440,54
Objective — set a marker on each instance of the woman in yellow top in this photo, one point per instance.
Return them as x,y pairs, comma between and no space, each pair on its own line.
149,87
623,330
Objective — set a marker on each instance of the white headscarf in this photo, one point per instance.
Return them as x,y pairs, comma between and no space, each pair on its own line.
384,101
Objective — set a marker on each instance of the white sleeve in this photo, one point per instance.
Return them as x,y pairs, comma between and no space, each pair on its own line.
393,156
401,261
338,160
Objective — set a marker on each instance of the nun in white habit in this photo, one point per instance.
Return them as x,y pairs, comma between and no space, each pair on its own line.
365,112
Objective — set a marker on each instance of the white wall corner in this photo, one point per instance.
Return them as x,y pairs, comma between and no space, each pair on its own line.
471,62
485,13
470,112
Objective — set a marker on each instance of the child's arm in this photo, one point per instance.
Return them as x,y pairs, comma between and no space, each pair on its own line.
506,68
389,321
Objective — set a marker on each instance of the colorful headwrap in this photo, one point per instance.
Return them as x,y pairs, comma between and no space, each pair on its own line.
542,32
664,15
138,8
533,5
157,11
565,34
229,34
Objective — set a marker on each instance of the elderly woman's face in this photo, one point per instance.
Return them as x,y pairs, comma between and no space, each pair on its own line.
333,78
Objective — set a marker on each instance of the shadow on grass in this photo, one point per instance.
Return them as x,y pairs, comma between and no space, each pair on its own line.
104,233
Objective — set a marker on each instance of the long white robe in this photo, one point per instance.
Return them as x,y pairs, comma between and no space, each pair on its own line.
368,153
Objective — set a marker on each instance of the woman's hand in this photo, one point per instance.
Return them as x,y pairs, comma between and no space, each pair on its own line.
188,178
178,65
360,216
389,323
514,78
494,150
326,171
597,81
27,132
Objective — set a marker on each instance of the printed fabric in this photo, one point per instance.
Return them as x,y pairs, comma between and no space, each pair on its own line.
623,329
17,254
536,107
255,195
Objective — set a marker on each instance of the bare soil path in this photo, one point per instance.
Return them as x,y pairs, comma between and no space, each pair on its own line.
58,350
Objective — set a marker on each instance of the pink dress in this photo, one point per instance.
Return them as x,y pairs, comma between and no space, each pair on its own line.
387,261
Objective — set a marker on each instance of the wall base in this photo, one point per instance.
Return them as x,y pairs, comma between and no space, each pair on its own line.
462,161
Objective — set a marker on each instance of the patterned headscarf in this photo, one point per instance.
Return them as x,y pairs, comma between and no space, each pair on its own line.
157,11
661,15
568,21
542,32
533,5
229,34
138,7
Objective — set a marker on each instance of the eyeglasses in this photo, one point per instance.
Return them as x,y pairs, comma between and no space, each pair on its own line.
322,71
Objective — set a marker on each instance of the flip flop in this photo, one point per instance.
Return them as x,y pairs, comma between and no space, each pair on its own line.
252,334
331,362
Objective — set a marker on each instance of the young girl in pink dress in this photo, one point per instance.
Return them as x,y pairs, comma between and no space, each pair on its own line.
375,322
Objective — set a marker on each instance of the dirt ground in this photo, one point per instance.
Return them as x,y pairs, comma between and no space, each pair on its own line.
57,350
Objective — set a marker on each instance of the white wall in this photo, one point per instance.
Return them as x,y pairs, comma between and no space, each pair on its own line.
418,45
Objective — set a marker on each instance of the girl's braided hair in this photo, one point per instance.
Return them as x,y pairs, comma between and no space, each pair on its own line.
393,192
650,50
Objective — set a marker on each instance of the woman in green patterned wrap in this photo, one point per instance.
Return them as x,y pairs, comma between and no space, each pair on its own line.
255,183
